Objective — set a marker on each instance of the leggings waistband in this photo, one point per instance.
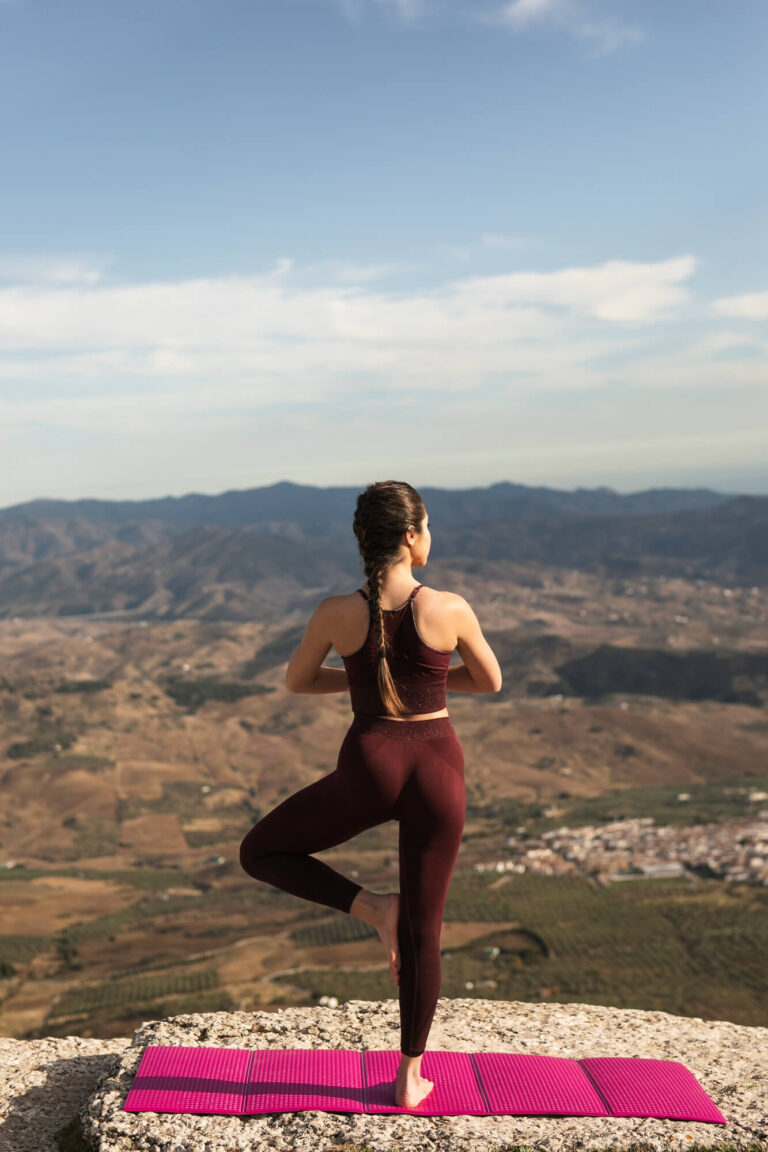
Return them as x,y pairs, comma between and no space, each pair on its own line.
403,729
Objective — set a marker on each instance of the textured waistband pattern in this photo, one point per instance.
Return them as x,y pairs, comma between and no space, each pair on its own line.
403,729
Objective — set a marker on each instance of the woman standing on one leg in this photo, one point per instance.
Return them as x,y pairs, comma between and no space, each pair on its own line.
400,758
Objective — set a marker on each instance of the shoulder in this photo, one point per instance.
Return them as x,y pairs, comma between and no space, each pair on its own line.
453,606
337,605
441,599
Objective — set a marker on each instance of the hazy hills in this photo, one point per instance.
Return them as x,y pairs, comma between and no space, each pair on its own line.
252,554
145,725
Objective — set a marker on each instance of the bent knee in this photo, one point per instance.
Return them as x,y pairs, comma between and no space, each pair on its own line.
252,847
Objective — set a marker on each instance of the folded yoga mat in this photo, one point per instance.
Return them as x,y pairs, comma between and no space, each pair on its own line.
246,1081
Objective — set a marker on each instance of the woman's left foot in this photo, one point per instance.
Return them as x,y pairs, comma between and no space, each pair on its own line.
382,912
388,933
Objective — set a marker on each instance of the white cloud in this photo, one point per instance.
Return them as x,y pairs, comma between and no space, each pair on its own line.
505,243
254,309
604,34
244,379
582,19
619,290
408,9
487,242
750,306
339,271
607,36
140,357
51,269
725,339
520,13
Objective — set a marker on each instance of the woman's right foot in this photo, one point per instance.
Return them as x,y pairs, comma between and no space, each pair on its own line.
411,1087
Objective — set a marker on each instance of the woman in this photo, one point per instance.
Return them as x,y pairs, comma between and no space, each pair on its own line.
400,758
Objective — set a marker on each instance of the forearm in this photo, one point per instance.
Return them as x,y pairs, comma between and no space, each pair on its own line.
459,680
336,680
327,680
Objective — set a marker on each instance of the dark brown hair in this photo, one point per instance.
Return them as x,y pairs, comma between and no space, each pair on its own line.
383,514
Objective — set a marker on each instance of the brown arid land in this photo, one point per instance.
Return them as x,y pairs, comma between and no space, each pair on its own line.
134,755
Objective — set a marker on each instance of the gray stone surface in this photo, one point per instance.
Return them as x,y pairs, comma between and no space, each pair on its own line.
59,1078
45,1083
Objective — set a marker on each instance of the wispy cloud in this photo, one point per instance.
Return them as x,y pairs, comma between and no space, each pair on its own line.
606,36
103,356
617,291
502,242
750,306
521,13
487,242
37,315
286,374
407,10
581,19
340,271
51,269
603,34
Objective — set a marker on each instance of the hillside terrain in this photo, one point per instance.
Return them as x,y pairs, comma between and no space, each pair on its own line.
136,750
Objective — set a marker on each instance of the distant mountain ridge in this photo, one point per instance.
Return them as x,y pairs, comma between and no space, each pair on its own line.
253,553
314,508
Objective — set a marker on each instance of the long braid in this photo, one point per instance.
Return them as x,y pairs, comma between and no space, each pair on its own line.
387,687
384,512
374,572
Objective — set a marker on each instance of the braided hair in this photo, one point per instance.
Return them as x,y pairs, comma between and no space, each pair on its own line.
384,512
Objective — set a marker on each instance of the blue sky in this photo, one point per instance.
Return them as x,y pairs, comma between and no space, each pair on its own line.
333,241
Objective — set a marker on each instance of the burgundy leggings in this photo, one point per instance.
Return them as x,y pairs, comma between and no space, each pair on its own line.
411,771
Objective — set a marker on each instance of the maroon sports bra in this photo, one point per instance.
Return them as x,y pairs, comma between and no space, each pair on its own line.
419,671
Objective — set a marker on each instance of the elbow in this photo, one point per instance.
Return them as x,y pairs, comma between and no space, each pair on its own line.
297,688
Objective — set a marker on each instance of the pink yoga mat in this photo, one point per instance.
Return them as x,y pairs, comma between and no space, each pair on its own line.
665,1089
247,1081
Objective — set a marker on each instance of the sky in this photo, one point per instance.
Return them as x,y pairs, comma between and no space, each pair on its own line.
453,242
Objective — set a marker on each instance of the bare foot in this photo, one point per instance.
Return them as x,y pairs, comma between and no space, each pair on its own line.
411,1087
387,929
382,912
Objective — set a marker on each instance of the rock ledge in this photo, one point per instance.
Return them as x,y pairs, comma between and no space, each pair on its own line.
46,1083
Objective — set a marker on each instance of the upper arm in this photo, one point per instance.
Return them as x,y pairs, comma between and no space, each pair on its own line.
473,647
315,645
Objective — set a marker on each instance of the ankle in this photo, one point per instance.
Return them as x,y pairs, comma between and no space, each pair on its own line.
365,905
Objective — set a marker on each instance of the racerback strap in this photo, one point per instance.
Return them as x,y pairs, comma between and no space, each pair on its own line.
413,593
